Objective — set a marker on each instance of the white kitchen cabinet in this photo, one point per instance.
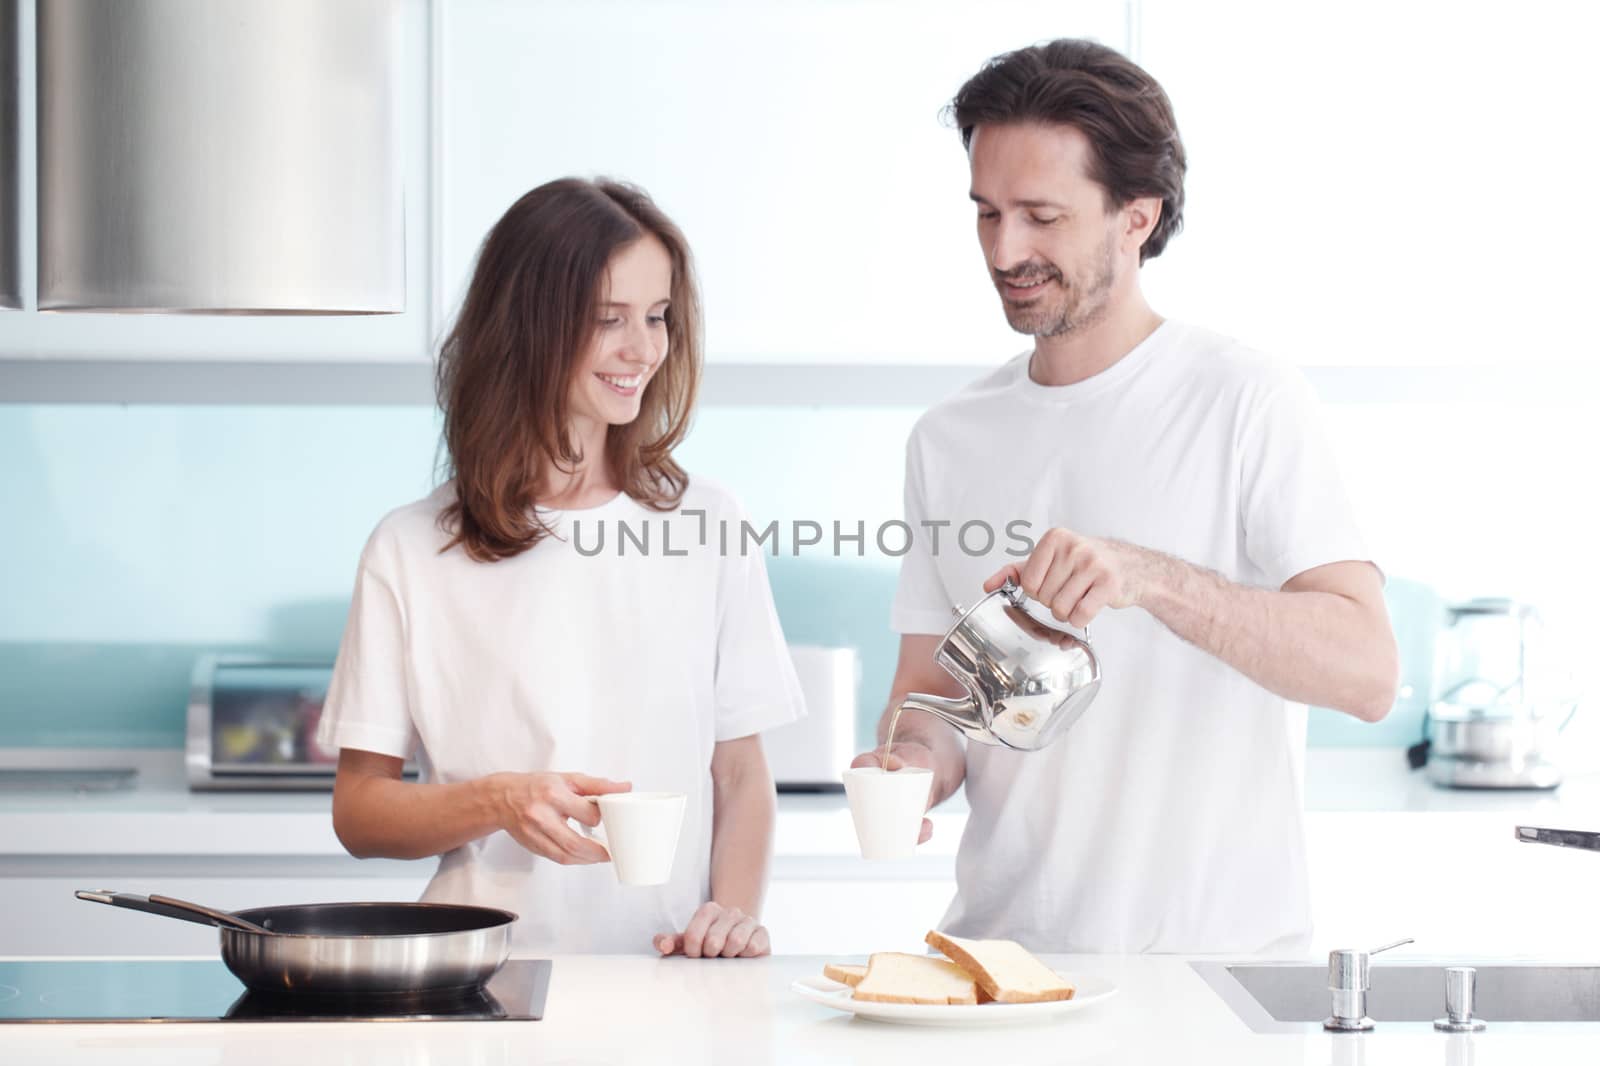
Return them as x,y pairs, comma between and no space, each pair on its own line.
97,339
798,144
854,917
1361,179
39,915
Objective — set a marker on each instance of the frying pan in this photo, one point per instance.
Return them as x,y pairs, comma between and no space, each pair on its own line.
347,949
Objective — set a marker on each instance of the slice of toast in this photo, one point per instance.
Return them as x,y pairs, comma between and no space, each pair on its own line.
894,977
1004,969
845,973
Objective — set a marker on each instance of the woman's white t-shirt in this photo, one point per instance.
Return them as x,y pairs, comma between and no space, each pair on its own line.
625,647
1169,818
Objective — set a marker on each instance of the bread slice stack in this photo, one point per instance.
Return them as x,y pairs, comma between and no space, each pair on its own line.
973,972
844,973
895,977
1004,969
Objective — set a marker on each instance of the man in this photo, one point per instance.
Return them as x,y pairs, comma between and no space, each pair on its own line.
1181,499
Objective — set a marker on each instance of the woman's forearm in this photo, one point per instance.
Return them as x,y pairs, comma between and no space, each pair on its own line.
382,817
744,813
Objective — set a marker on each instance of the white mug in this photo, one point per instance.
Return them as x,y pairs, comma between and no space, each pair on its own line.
640,830
887,807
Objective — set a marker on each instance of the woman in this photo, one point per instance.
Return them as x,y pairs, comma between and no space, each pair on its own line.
481,638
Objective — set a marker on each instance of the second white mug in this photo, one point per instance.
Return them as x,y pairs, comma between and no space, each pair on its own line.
641,829
887,808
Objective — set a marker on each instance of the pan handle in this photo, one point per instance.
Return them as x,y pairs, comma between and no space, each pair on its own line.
168,907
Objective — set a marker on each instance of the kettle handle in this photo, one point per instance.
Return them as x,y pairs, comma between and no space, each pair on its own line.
1019,599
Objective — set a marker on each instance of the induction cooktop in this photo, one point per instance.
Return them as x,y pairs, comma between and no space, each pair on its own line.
188,990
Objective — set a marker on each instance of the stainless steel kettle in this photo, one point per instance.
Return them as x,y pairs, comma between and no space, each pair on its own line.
1027,682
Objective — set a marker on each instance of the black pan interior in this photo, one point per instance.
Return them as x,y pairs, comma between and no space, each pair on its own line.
376,919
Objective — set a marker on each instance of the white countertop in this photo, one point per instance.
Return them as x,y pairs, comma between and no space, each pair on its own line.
626,1010
160,815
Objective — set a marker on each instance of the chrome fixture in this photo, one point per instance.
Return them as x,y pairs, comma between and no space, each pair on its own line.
1292,997
1460,985
220,156
1349,981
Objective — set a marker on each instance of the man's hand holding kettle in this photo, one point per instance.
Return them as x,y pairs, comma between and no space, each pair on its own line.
1077,576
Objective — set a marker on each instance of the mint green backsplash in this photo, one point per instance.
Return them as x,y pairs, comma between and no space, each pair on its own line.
136,538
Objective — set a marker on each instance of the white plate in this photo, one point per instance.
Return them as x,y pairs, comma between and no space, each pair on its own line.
830,993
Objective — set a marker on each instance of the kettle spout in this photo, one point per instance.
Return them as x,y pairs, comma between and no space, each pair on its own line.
962,714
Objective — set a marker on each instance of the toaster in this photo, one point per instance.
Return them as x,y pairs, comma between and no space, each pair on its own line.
811,755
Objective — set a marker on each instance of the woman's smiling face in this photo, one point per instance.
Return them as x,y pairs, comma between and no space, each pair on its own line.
629,341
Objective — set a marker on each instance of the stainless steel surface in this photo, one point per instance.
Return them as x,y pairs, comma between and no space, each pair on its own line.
219,156
1459,987
1457,772
350,949
200,765
1026,682
1348,983
1561,838
1477,736
1274,997
251,725
10,174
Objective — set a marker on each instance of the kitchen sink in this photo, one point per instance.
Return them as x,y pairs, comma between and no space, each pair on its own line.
1293,997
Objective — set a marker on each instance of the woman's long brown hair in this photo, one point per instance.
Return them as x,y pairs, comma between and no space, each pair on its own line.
506,368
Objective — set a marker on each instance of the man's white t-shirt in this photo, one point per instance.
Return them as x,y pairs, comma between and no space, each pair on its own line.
625,662
1169,818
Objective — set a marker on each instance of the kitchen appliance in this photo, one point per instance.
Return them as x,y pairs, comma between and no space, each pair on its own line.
253,725
1493,721
202,990
347,949
810,755
1027,682
221,158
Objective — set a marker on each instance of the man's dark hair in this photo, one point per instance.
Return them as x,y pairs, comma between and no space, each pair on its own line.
1120,108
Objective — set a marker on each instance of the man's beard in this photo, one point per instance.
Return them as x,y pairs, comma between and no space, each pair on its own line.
1073,312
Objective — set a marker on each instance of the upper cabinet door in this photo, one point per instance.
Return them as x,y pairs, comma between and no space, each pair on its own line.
798,144
1376,185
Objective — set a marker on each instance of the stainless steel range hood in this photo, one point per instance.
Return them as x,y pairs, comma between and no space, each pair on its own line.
219,156
10,240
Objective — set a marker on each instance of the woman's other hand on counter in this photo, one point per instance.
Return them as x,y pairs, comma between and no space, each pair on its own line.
716,931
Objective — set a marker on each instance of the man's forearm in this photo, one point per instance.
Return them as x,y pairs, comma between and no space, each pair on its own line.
741,840
1309,646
